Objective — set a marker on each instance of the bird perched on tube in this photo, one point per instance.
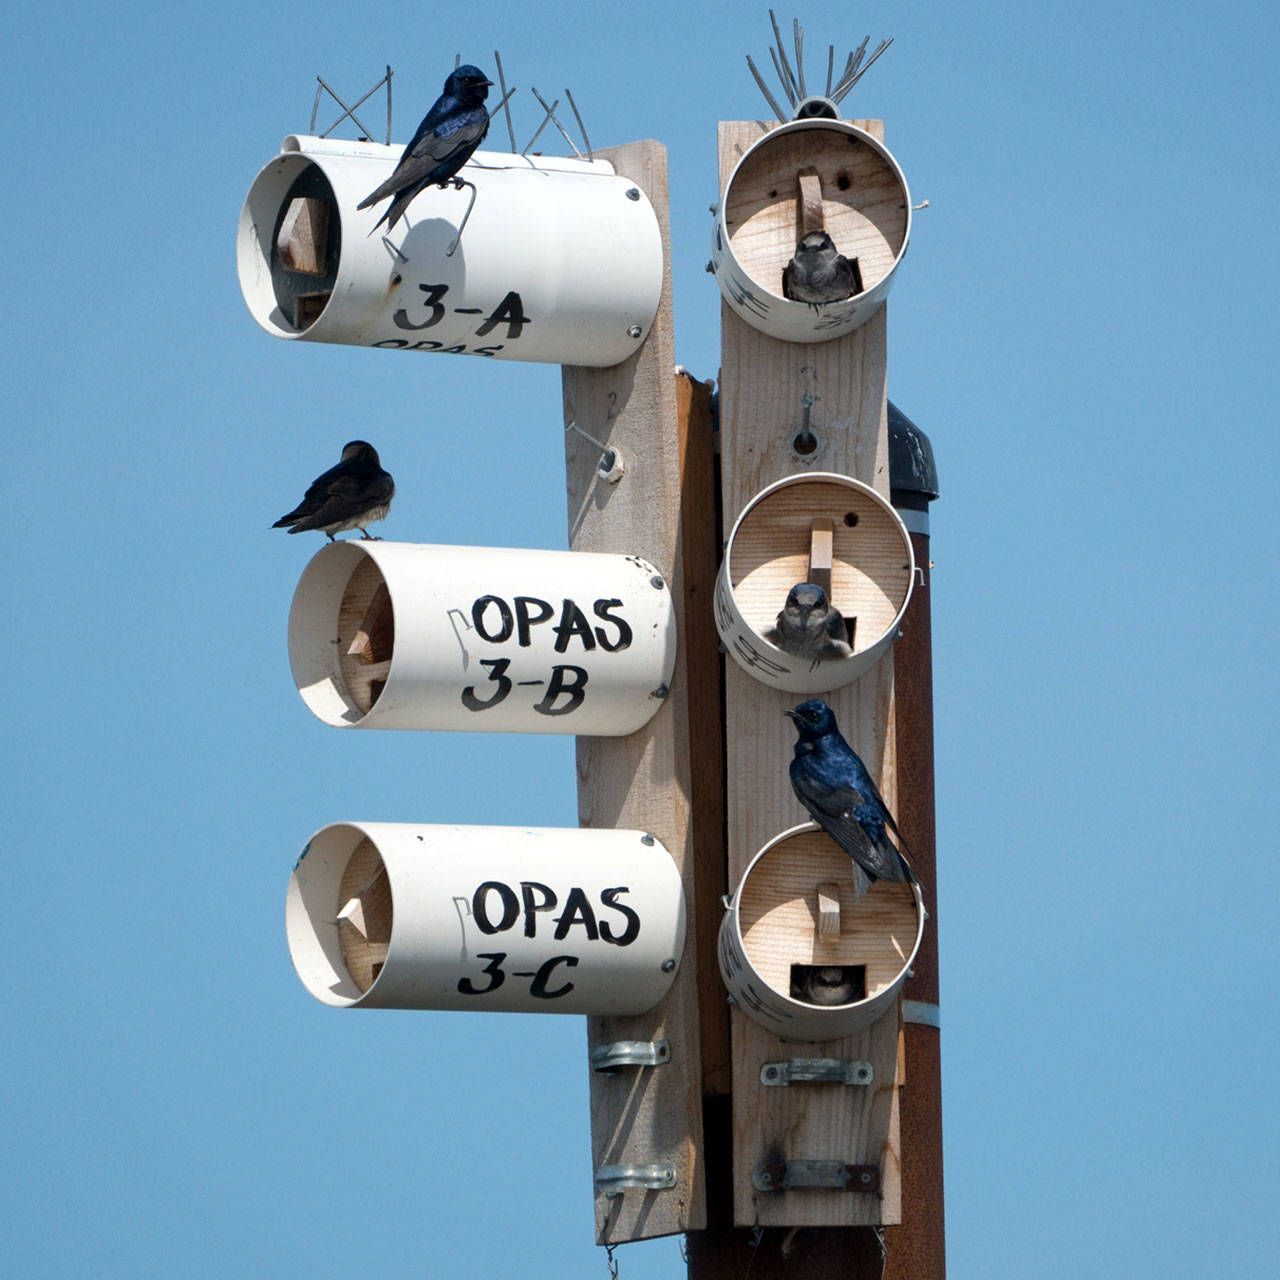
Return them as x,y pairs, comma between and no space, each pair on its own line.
819,272
453,128
833,784
809,626
351,495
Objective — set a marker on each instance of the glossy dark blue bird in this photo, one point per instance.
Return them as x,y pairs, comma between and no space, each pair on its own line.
453,128
834,785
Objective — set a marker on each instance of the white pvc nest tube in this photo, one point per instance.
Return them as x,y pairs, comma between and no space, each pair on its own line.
868,215
879,931
494,919
560,260
490,639
872,575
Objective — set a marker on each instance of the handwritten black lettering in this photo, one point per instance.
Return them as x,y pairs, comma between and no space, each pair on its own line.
573,622
434,293
601,609
525,620
510,311
479,909
480,608
564,679
609,898
493,969
531,908
497,674
577,910
538,987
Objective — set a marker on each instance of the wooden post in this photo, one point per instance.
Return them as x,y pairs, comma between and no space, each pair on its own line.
642,1116
764,384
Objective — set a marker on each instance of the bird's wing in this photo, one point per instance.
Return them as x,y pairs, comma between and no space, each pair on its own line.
833,624
436,141
845,813
460,135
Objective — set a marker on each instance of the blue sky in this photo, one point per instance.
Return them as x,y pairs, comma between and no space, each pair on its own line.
1085,328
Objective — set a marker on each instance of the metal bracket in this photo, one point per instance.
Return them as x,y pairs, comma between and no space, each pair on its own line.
835,1175
614,1179
630,1053
817,1070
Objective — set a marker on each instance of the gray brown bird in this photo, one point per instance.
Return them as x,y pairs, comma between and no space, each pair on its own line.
453,128
809,626
819,272
351,495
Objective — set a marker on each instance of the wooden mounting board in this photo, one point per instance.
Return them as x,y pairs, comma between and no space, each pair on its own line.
763,382
642,1115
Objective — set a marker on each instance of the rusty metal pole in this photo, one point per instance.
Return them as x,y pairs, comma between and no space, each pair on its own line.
915,1248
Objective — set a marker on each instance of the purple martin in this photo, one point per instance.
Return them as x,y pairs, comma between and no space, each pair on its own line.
833,784
809,626
819,272
453,128
351,495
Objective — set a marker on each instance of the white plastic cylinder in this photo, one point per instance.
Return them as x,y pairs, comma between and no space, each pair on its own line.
867,210
491,639
387,915
560,260
768,552
774,923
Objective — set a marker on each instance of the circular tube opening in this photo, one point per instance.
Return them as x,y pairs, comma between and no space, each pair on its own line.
771,549
290,245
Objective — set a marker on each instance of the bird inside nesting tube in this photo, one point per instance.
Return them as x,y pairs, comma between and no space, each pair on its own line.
823,178
812,225
816,576
808,956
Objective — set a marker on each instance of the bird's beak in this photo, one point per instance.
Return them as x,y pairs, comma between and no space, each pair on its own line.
791,714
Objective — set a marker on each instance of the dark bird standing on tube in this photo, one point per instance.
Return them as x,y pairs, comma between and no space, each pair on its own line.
819,272
453,128
809,626
833,784
351,495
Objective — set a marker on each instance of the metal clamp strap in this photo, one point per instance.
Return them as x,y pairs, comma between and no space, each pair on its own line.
835,1175
614,1179
817,1070
630,1053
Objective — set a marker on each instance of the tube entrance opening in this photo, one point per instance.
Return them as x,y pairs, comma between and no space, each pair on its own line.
364,914
305,248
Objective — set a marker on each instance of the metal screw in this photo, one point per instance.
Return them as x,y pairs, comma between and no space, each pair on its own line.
865,1178
647,838
633,193
634,331
668,966
656,582
661,691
